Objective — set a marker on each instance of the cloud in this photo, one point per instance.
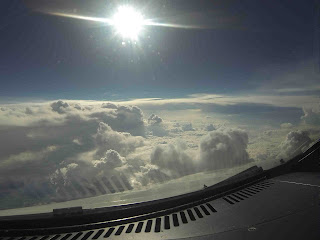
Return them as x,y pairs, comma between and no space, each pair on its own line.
187,127
176,130
224,148
156,126
106,139
174,159
154,119
249,103
295,143
149,174
123,119
63,141
209,127
219,149
59,106
158,130
286,125
60,132
109,105
78,106
111,160
311,116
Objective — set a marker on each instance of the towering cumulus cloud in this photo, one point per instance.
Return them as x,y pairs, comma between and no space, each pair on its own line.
154,119
295,143
156,126
174,159
224,148
311,116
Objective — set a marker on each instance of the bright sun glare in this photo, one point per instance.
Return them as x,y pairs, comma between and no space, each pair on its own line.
128,22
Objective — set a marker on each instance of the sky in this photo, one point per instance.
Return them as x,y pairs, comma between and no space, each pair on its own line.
240,48
207,89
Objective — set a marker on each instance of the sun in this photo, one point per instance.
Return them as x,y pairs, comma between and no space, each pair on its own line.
128,22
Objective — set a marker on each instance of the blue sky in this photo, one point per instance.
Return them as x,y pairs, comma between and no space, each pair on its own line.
244,46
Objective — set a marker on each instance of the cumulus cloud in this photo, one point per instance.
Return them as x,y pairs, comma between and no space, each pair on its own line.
156,126
123,119
59,106
28,110
109,105
77,106
107,139
173,158
295,143
187,127
154,119
149,174
38,139
111,160
218,149
224,148
176,130
209,127
158,130
311,116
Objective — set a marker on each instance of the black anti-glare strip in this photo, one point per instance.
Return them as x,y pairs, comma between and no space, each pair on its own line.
44,238
250,191
234,199
98,234
261,186
166,222
175,220
258,188
190,213
244,193
87,235
65,237
198,212
255,188
130,227
266,183
148,226
139,227
183,217
237,197
211,208
76,236
119,231
206,212
227,200
109,232
158,225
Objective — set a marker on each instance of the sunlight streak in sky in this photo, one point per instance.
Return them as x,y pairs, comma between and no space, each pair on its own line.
109,21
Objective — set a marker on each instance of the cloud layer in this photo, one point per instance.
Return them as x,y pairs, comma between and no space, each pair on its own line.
64,150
